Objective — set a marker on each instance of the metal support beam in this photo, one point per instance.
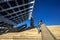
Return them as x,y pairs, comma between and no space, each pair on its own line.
7,20
31,22
30,15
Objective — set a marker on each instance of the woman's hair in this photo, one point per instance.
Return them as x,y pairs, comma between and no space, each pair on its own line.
40,21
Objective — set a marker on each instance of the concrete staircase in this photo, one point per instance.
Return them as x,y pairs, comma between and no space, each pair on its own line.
31,34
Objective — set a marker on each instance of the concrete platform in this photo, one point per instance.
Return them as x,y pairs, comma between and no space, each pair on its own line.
50,32
55,31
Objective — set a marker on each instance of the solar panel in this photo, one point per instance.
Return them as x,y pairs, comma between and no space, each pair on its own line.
15,11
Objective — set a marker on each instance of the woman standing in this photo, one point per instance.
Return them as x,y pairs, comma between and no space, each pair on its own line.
39,26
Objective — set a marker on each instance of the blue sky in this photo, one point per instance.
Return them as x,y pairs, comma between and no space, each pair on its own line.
48,11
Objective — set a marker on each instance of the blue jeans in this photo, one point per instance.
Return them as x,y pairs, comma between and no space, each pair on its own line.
38,29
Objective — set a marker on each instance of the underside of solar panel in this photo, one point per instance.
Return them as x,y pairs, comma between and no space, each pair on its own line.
13,12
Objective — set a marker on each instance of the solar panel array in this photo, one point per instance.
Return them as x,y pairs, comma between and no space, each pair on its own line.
16,10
